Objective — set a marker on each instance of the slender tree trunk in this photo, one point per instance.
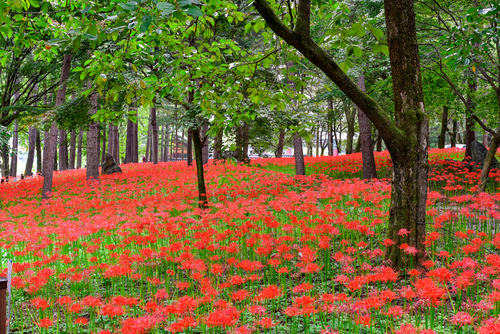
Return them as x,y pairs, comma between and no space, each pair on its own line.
330,128
111,139
300,167
470,134
365,136
135,142
51,142
281,144
202,191
453,135
189,148
218,145
444,128
154,140
56,141
93,142
15,145
148,140
38,144
204,138
31,151
176,135
72,149
116,144
63,150
317,141
103,139
488,162
379,142
168,144
79,153
162,147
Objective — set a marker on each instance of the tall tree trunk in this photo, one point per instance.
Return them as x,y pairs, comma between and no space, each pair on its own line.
15,146
365,136
148,140
72,149
379,142
444,128
281,144
38,145
79,153
154,139
129,142
56,141
300,167
350,116
330,127
470,134
176,135
241,140
5,160
51,142
63,150
357,148
161,145
31,151
102,152
111,139
189,148
93,142
168,145
453,134
202,191
204,138
135,142
488,162
218,145
410,157
116,144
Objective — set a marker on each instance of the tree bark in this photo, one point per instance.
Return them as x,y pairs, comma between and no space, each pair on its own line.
63,150
31,151
103,139
444,128
116,144
154,139
281,144
50,149
204,138
135,142
38,145
218,145
488,162
379,142
166,154
79,150
189,148
202,191
350,116
93,142
72,149
148,140
15,146
453,134
365,137
300,167
470,134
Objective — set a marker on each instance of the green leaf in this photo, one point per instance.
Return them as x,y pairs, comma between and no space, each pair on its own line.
358,52
34,3
127,6
76,43
194,12
89,36
384,49
86,9
376,48
146,22
248,27
165,8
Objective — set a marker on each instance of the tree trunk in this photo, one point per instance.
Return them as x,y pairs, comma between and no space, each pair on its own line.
204,138
202,191
453,135
166,155
330,127
470,134
102,152
154,139
444,128
350,116
365,137
31,151
379,142
300,167
488,162
15,145
116,144
281,144
63,150
93,142
56,141
148,140
50,149
161,144
135,142
79,153
38,145
218,145
72,150
189,148
409,156
5,160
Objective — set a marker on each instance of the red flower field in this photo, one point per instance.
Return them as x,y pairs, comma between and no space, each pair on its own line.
273,253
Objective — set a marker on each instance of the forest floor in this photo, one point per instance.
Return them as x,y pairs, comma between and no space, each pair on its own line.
273,253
